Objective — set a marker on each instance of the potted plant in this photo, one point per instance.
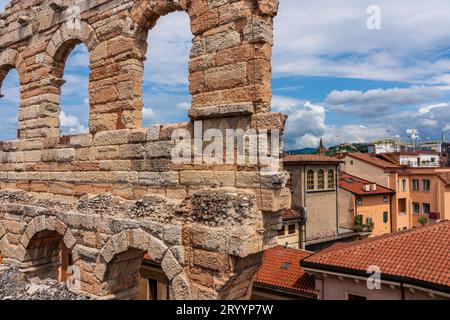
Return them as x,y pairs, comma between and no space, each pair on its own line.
422,220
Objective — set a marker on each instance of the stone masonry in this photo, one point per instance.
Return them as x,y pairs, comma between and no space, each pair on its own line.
112,195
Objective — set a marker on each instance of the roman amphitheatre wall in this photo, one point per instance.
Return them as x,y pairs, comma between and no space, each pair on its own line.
115,194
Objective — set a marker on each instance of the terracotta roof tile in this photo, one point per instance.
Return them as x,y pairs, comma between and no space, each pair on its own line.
418,255
290,214
373,160
281,269
356,185
310,158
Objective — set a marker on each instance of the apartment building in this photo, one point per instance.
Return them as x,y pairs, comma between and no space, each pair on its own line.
364,205
421,193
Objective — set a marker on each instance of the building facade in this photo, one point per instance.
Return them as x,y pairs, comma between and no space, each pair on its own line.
364,205
421,195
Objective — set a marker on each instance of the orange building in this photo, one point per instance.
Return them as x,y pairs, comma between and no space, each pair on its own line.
364,205
422,194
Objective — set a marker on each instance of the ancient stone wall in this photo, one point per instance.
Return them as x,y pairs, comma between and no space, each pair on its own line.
114,194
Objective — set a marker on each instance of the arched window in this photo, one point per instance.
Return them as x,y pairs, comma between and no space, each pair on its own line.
166,95
310,180
74,111
331,182
320,180
9,102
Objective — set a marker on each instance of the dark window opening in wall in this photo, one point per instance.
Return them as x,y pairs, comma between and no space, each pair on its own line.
415,185
404,185
385,217
426,208
402,206
320,180
385,198
359,201
425,185
416,207
9,102
74,112
291,229
310,180
165,92
281,231
331,182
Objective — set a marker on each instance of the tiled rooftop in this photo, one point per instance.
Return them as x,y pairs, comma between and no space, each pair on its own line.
373,160
418,256
306,158
281,269
356,185
290,214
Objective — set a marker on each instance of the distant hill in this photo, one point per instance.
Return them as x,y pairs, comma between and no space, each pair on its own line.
303,151
348,147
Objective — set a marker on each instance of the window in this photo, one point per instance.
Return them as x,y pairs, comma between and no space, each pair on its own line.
320,180
385,217
416,208
351,162
291,229
404,185
9,102
433,160
385,198
331,183
415,185
425,185
281,231
426,208
310,180
359,201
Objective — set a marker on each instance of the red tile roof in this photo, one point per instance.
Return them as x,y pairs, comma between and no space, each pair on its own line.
419,256
310,158
371,159
290,214
281,269
356,185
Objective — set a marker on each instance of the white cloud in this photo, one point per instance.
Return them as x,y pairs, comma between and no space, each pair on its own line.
307,123
378,101
184,106
148,114
330,38
71,124
428,109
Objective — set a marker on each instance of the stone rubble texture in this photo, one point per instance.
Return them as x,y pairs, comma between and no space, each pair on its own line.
114,194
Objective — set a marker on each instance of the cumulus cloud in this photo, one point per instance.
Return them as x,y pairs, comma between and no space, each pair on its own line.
307,123
184,106
428,109
148,114
331,39
378,101
71,124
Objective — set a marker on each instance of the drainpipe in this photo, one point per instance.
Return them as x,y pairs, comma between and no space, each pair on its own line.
403,290
390,213
303,226
336,185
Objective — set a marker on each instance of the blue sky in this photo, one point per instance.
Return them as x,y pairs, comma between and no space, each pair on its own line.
335,78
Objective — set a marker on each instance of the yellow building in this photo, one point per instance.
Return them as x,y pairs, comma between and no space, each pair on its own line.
364,205
420,192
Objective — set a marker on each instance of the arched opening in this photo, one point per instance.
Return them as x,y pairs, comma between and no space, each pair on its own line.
320,180
71,76
331,182
9,102
166,96
47,256
133,274
310,180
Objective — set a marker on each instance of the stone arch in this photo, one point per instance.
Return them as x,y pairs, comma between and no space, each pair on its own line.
10,59
130,246
62,43
45,243
49,223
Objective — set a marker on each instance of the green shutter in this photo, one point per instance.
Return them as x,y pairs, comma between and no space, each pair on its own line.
385,217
